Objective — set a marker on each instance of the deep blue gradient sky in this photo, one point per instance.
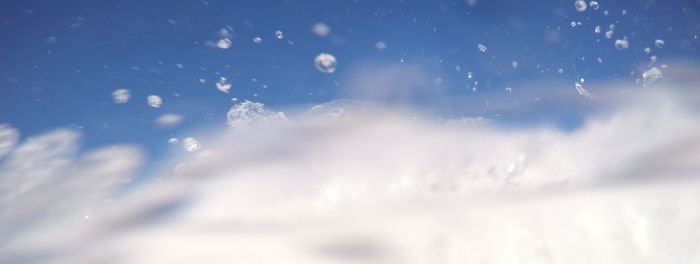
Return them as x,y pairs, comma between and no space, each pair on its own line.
61,60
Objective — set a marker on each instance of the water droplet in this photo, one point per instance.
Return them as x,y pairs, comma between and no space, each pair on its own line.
580,5
651,76
597,29
325,63
321,29
223,85
380,45
173,141
469,75
279,34
573,23
582,91
653,58
594,5
482,48
250,114
608,34
560,70
120,96
154,101
223,43
191,144
599,60
647,50
659,43
509,90
621,44
257,40
514,64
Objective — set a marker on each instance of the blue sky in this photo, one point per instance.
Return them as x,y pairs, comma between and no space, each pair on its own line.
60,62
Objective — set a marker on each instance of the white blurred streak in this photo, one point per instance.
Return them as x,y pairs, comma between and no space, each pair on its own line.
374,185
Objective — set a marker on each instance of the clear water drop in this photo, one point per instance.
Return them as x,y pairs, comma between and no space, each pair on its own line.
621,44
582,91
580,5
608,34
594,5
279,34
120,96
651,76
191,144
325,63
223,43
223,85
154,101
659,43
482,48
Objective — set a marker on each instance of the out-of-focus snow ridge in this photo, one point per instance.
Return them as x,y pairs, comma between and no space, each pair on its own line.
380,187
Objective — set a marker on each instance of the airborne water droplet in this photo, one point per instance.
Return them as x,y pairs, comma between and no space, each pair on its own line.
325,63
580,5
154,101
223,85
659,43
223,43
594,5
120,96
191,144
482,48
651,76
622,44
582,91
279,34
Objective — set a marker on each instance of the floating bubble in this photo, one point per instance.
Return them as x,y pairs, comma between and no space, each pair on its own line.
279,34
321,29
325,63
482,48
191,144
621,44
580,5
582,91
223,43
651,76
120,96
223,85
257,40
659,43
154,101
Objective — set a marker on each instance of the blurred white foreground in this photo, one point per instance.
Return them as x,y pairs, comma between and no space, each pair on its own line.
373,187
